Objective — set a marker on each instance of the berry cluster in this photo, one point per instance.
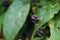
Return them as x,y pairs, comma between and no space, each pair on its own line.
39,32
34,18
43,31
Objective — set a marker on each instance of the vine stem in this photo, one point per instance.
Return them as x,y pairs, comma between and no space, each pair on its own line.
32,37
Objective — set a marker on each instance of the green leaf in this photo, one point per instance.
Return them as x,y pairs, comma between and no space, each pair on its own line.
54,24
51,25
46,13
15,18
48,2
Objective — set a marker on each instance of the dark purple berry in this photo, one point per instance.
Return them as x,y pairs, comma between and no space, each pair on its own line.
39,35
39,32
5,3
34,18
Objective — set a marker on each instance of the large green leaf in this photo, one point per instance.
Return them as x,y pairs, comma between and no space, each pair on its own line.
15,18
48,2
54,24
46,13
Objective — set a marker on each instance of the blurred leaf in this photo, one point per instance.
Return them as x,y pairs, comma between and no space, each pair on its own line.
15,18
55,31
48,2
45,14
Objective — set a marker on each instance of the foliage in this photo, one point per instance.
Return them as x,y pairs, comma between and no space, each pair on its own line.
30,19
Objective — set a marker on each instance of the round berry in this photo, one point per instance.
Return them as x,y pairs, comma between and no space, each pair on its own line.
34,18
